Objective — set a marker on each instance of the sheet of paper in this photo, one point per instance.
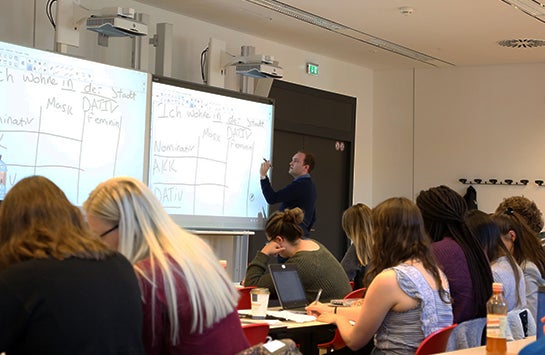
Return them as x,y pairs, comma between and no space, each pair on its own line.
286,315
294,317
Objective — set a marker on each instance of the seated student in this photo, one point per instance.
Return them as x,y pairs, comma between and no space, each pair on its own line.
62,290
408,295
505,269
317,267
457,251
526,249
526,208
356,223
189,301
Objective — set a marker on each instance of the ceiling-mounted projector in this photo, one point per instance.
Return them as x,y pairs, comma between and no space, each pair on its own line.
254,65
259,70
116,26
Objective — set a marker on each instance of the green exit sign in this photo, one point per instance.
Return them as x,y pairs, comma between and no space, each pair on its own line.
312,69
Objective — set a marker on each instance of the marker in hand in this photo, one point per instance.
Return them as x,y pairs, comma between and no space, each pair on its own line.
266,161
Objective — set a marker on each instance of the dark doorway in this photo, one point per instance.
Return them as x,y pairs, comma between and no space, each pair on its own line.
322,123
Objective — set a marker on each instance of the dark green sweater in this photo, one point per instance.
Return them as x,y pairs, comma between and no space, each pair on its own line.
317,269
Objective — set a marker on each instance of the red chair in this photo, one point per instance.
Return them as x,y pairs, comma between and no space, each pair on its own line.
245,301
436,342
337,342
256,333
334,344
359,293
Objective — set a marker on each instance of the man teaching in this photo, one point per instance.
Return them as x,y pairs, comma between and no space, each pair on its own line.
301,192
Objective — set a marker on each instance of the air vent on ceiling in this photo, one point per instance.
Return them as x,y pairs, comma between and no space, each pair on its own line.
522,43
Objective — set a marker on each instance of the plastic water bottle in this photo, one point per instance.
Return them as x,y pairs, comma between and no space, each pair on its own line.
496,322
3,177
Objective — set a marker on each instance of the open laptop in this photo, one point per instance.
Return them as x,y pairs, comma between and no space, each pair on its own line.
289,288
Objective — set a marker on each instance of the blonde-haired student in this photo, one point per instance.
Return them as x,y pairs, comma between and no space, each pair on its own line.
189,301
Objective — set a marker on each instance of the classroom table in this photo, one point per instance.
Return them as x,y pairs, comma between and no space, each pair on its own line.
307,335
513,347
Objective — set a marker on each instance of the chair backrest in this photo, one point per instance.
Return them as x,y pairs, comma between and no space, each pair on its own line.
359,293
245,301
256,333
436,342
334,344
468,334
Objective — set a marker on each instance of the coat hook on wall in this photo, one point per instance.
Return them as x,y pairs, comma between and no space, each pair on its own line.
494,181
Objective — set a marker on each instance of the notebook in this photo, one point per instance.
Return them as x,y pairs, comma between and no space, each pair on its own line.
288,287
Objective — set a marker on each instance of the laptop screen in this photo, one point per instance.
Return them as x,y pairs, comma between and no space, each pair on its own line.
288,286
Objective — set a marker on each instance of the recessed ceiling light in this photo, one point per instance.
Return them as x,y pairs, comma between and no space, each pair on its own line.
405,10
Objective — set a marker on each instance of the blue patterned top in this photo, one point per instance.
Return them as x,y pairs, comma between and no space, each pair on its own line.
503,273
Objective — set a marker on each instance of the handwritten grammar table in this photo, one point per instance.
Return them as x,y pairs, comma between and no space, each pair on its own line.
513,347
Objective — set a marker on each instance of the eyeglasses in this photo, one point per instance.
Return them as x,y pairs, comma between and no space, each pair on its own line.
110,230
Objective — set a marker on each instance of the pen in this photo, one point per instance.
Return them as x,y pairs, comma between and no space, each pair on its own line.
318,296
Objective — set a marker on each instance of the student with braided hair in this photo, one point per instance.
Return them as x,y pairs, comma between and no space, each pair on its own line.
457,251
317,267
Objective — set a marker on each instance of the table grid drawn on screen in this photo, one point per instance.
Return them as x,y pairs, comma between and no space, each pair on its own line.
73,121
205,152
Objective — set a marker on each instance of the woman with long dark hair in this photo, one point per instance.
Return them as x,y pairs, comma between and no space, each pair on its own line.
505,269
524,245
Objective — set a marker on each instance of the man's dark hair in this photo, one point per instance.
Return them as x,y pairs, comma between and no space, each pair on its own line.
309,160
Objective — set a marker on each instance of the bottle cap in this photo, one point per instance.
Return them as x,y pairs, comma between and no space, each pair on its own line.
497,287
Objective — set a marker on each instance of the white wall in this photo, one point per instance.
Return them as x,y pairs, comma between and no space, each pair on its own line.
393,155
24,22
469,122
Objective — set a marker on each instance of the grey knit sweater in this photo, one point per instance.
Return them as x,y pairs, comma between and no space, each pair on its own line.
317,269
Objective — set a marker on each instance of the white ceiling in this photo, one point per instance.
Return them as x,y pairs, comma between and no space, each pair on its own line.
457,32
